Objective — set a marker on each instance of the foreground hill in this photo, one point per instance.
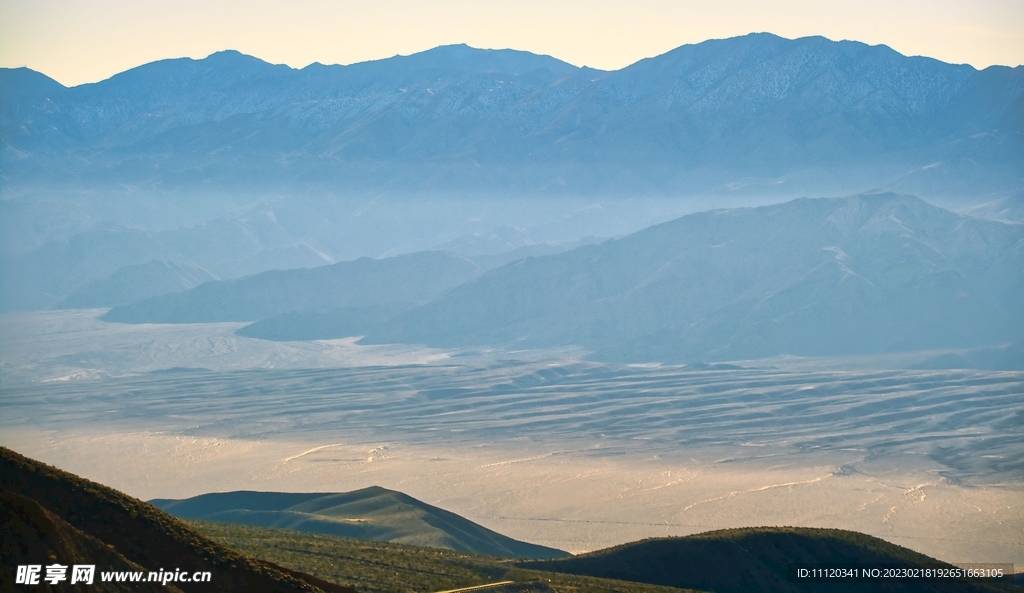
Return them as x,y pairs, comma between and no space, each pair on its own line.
365,282
754,559
34,535
385,567
58,517
371,513
727,561
864,274
82,520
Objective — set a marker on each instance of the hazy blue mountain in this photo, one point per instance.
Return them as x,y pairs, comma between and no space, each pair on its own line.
373,513
135,283
869,273
28,102
359,321
41,278
414,278
25,84
437,148
173,111
87,261
757,109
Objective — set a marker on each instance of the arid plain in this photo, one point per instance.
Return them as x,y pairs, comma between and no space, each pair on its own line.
542,446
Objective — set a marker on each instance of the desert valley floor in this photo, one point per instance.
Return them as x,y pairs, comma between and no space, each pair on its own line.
541,446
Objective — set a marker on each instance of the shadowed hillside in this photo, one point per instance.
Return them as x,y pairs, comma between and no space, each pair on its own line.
33,535
67,518
754,559
371,513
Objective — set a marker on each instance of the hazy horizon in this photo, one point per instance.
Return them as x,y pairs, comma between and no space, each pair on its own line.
88,43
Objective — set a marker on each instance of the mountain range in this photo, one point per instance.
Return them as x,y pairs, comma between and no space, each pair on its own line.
238,166
456,119
871,273
864,274
399,281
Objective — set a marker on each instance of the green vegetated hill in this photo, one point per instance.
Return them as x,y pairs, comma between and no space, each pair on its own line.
373,513
384,567
724,561
54,516
755,559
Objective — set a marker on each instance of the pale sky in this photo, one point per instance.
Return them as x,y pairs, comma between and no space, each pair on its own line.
77,41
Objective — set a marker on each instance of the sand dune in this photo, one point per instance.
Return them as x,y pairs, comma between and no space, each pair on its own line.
964,419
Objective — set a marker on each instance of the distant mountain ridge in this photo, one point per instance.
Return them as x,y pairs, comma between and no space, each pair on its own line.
399,282
115,266
131,284
458,119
